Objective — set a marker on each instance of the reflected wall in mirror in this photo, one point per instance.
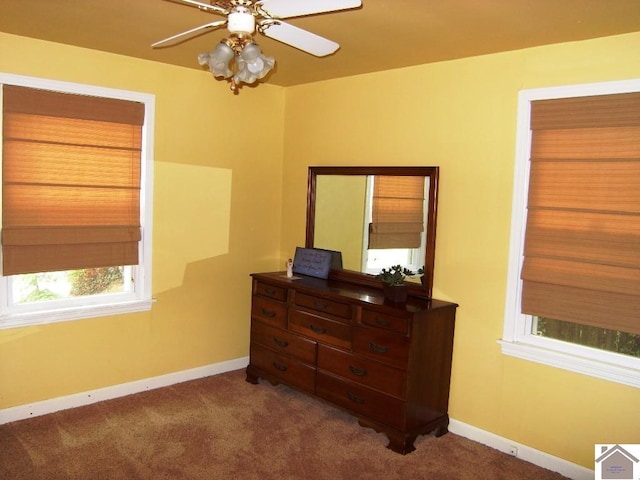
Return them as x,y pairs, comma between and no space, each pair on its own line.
376,217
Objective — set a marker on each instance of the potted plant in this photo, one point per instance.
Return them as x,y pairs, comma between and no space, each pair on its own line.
393,286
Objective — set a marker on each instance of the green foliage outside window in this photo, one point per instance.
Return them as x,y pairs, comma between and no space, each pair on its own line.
602,338
40,287
37,291
92,281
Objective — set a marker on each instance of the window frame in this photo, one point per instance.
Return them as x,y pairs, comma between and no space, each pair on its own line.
139,299
517,339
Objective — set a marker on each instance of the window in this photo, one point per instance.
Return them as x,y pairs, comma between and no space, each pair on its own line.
76,201
574,263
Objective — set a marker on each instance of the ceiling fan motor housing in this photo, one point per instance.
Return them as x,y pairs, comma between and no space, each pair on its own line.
241,20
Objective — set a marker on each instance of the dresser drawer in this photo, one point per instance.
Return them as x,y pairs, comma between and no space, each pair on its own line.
270,291
269,311
323,305
322,329
386,321
290,371
361,400
386,347
367,372
284,342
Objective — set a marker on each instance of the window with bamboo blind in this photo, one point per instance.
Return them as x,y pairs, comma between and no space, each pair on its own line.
70,181
75,175
575,262
582,246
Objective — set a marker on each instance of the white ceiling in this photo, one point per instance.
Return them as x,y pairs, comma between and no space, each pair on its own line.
382,35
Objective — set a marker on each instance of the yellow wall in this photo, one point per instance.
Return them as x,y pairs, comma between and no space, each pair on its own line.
217,207
461,116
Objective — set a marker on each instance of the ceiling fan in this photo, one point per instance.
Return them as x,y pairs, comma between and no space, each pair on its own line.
243,19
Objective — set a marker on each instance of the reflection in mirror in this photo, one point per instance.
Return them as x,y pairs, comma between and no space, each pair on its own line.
376,217
340,216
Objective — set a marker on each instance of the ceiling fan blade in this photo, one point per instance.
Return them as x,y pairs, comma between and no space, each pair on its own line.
212,25
206,6
297,8
300,39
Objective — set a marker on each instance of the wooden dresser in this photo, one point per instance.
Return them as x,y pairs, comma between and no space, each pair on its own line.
388,365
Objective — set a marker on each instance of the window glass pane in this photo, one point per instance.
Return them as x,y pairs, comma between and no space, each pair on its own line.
601,338
384,258
39,287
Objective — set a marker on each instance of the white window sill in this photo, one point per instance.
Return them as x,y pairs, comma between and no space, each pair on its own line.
574,363
73,313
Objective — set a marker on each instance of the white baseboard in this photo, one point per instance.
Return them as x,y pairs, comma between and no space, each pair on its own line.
525,453
528,454
86,398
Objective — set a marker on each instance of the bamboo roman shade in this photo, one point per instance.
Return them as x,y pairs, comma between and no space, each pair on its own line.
397,212
582,244
70,181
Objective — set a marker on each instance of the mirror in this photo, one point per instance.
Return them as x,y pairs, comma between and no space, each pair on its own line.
345,213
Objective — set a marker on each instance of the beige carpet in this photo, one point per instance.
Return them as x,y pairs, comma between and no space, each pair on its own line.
222,427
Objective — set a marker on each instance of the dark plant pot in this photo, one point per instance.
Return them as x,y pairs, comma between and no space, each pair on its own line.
396,293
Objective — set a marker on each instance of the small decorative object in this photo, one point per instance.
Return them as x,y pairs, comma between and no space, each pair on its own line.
290,268
395,290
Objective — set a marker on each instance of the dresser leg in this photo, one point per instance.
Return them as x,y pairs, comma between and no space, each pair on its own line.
251,376
443,427
441,430
401,443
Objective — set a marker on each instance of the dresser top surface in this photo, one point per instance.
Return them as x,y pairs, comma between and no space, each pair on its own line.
362,294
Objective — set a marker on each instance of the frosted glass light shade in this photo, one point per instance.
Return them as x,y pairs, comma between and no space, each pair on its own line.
252,64
218,60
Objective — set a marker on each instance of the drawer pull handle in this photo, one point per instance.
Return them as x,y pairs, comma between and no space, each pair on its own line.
355,399
279,366
269,291
319,305
382,322
280,342
317,329
268,313
361,372
378,348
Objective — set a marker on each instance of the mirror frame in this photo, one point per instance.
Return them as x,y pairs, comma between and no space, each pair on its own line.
352,276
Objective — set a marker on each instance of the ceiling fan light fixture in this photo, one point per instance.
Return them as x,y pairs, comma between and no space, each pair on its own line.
243,18
252,64
218,60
